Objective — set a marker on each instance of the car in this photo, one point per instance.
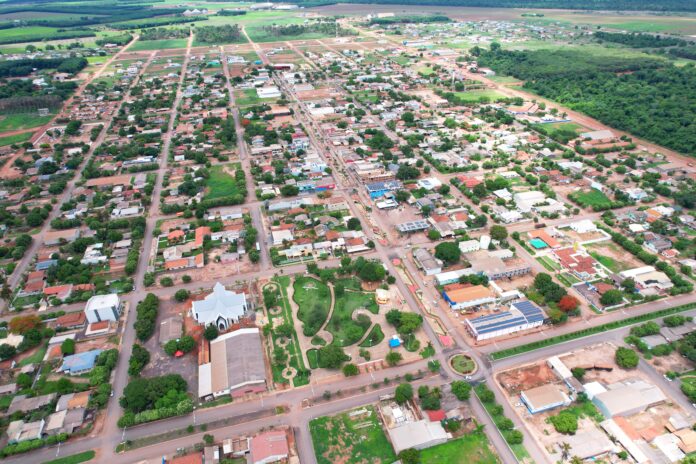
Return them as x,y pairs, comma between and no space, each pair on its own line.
112,393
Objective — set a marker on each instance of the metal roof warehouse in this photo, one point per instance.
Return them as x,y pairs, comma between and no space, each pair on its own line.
522,315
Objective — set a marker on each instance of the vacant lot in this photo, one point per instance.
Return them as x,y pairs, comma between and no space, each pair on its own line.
352,437
590,199
142,45
17,138
221,182
479,95
612,256
468,449
20,121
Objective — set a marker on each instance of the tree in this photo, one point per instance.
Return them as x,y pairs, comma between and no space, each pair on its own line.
393,358
434,234
139,358
565,422
208,439
611,297
24,380
403,393
331,357
626,358
448,252
498,232
210,332
354,224
461,389
22,324
568,303
372,271
181,295
578,372
350,370
166,281
410,456
67,347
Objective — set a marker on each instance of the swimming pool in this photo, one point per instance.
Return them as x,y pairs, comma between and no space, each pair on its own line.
538,243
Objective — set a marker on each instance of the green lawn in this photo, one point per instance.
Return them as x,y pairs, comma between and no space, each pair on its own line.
221,184
73,459
463,364
249,97
5,401
313,358
314,301
351,440
374,338
17,138
37,357
607,261
346,329
567,279
548,263
471,448
19,121
479,95
145,45
591,198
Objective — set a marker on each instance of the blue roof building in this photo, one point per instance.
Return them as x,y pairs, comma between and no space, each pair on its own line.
79,363
523,315
379,189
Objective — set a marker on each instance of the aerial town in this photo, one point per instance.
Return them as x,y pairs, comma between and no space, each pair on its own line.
328,233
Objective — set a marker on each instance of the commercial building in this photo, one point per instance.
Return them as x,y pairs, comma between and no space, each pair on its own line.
427,262
460,296
236,366
627,398
221,308
379,189
544,398
647,277
103,308
419,435
523,315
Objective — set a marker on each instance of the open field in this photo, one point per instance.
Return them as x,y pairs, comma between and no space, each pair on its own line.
479,95
221,183
591,198
145,45
463,450
352,437
20,121
17,138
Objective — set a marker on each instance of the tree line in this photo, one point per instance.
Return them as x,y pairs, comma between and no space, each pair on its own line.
639,40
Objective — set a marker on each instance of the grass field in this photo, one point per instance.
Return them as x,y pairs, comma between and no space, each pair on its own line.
351,439
17,138
73,459
249,97
35,358
375,337
346,328
463,364
314,301
567,279
463,450
144,45
548,263
478,95
221,184
19,121
591,198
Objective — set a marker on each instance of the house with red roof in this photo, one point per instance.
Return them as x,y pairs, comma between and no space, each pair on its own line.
268,447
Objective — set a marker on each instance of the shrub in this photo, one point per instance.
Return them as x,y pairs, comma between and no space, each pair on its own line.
565,422
626,358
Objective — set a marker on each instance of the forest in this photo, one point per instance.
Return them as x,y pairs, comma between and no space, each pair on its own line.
684,52
218,34
636,40
613,5
322,27
648,97
162,33
411,19
23,67
89,14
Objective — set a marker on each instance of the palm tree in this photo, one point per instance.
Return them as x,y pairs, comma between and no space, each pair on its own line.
565,450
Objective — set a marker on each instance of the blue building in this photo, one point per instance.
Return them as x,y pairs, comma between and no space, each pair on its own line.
80,363
379,189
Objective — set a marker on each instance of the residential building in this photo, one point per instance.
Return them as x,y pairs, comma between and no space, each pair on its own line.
79,363
269,447
460,296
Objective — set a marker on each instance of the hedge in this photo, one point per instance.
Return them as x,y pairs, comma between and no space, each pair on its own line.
590,331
